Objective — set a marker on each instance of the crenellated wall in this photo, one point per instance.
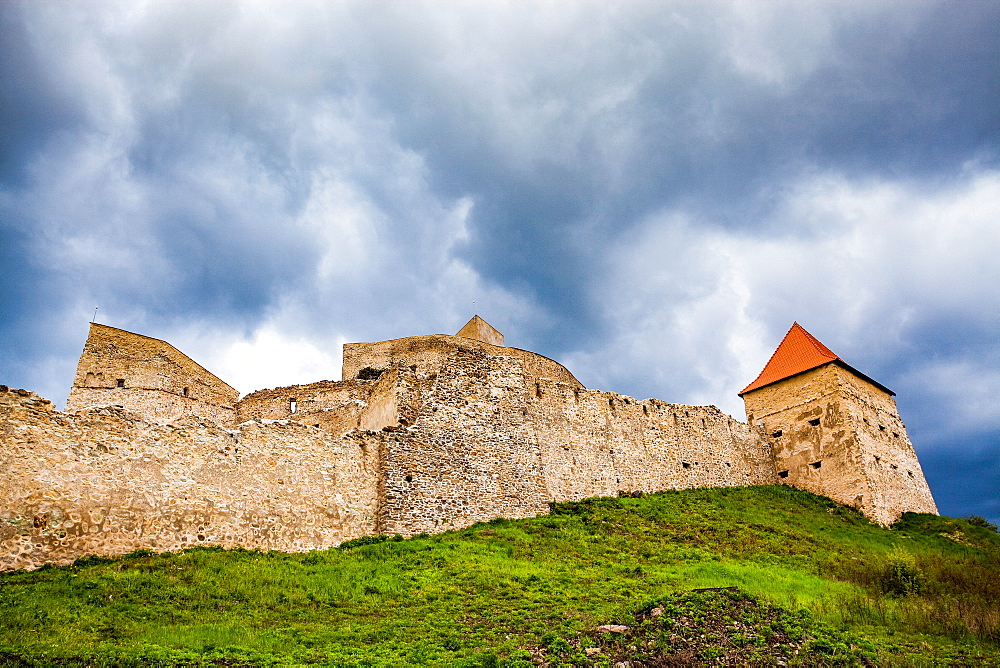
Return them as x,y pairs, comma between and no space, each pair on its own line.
596,443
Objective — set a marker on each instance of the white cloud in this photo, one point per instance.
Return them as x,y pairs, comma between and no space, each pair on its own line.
696,310
270,358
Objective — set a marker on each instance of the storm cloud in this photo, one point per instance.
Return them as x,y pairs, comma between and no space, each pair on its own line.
647,192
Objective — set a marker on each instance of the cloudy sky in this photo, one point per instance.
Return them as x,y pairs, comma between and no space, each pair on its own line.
649,192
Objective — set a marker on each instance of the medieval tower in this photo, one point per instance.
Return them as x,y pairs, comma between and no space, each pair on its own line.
835,431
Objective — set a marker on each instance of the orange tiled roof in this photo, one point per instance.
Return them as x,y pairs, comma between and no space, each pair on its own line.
799,351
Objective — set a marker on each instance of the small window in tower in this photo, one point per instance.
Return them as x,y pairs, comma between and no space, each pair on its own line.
293,405
685,465
881,427
816,465
776,433
185,391
783,474
909,473
120,382
815,422
895,435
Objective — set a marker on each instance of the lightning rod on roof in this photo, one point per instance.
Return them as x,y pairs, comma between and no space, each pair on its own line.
94,319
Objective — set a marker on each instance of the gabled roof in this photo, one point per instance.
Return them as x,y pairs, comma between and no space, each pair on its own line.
800,351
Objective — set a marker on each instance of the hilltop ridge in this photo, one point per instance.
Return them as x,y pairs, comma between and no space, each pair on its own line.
818,584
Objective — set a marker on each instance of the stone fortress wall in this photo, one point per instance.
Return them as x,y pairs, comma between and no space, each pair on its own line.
106,481
492,441
147,376
425,433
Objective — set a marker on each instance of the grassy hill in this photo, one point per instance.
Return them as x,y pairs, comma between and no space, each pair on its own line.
816,584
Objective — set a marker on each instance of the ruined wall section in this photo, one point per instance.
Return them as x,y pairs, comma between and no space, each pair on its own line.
147,376
105,482
595,443
334,406
838,435
426,354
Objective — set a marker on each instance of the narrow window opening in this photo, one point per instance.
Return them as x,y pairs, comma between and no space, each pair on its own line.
611,402
685,465
703,422
185,391
538,390
894,467
645,411
881,427
776,433
120,382
909,473
293,405
316,425
815,422
877,459
816,465
783,474
409,478
895,435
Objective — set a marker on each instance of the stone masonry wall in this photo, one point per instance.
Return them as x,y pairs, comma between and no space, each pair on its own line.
895,478
106,482
491,441
838,435
147,376
595,443
470,456
334,406
428,353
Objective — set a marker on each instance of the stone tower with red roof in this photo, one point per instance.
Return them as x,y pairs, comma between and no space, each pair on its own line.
834,431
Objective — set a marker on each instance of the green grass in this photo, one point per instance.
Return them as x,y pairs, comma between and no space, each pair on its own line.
813,578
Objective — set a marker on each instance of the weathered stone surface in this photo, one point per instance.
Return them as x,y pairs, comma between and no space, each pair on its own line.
147,376
479,329
439,432
427,353
835,434
106,482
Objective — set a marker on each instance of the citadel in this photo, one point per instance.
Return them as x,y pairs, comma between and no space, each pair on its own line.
423,434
